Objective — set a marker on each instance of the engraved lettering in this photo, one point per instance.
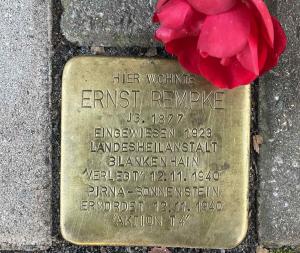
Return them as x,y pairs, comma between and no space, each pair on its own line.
101,99
167,99
126,78
85,97
219,100
169,78
98,97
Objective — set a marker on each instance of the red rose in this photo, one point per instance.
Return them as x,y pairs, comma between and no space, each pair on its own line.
229,42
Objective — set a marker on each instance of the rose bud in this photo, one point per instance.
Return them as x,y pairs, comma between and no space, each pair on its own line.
228,42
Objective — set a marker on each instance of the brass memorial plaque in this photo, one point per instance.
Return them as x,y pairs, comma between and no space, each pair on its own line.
152,156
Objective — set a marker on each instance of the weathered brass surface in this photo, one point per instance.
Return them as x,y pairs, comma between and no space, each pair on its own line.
152,156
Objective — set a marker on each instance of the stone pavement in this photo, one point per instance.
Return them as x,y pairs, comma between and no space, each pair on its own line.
123,23
25,128
279,123
26,220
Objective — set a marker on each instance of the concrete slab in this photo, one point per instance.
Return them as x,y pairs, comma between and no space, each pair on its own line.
279,163
123,23
25,126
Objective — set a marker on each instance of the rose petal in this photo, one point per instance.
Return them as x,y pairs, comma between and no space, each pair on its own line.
189,57
160,3
225,61
225,77
212,7
249,56
229,76
190,28
262,55
280,42
174,13
226,34
266,20
193,23
166,35
155,18
249,59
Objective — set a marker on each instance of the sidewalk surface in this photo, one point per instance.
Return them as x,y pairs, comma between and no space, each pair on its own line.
279,125
25,150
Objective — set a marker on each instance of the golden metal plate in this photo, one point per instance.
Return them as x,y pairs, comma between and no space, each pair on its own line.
152,156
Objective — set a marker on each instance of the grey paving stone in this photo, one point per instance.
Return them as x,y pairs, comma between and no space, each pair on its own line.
123,23
25,171
279,163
